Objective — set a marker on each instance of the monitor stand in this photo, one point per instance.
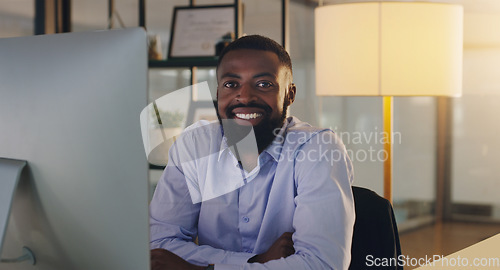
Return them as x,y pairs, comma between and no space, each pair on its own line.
10,172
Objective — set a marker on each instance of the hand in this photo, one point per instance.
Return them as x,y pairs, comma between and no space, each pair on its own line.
281,248
162,259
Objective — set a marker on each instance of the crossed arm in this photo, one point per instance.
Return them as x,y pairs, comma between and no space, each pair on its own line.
322,223
163,259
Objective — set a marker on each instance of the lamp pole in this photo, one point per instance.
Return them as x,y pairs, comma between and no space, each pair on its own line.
388,145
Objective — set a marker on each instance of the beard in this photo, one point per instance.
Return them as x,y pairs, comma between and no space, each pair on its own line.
265,131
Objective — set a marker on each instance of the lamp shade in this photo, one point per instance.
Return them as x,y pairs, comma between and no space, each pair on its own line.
389,49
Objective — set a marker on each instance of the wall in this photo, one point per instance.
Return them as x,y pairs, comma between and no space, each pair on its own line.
476,145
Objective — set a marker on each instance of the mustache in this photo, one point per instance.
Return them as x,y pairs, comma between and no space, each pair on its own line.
265,107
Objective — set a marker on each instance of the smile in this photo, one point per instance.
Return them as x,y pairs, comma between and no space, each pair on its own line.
248,116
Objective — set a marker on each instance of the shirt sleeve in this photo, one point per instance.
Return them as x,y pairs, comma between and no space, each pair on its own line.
174,219
323,220
324,215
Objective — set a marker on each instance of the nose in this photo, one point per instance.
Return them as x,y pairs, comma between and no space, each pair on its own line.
245,94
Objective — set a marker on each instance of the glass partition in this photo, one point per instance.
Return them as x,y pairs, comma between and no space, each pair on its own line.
475,142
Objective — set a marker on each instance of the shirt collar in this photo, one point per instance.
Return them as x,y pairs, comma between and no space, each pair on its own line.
223,146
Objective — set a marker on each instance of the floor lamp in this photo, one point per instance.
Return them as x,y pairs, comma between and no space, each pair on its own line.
389,49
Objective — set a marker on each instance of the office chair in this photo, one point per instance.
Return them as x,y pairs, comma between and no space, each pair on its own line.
375,232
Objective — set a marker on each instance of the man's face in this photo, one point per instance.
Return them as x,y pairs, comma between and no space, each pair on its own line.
253,89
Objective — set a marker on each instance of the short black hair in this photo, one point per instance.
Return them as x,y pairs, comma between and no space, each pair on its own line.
258,42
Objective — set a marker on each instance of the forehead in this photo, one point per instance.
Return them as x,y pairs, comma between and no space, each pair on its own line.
248,60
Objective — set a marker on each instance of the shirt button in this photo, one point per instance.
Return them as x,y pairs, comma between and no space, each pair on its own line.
246,219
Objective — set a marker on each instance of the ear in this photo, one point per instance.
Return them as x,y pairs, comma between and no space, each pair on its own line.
290,95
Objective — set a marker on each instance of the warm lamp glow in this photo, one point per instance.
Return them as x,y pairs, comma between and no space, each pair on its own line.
389,49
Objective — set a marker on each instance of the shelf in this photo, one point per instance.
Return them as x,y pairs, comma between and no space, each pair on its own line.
184,62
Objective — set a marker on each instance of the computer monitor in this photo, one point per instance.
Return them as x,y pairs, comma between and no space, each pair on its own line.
70,106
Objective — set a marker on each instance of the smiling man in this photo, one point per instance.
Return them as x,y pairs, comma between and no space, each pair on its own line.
284,204
254,88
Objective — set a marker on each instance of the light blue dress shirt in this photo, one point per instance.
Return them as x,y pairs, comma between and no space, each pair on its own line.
302,184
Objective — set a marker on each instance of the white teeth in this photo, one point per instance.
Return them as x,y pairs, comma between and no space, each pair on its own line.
248,116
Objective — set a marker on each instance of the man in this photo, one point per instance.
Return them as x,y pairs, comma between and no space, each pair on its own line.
284,204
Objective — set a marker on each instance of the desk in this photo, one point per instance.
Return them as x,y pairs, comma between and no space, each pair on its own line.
484,255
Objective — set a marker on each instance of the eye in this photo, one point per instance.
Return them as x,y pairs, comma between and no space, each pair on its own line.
265,84
230,84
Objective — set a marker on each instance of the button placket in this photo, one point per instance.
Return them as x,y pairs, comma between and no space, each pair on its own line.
245,224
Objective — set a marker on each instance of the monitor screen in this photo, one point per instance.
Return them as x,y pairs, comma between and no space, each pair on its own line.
70,106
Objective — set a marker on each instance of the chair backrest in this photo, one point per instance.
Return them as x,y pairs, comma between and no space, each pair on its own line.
375,238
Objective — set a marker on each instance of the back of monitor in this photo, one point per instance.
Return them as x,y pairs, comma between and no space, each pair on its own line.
69,106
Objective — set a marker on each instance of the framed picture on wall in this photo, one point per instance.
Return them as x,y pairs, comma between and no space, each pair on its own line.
196,30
